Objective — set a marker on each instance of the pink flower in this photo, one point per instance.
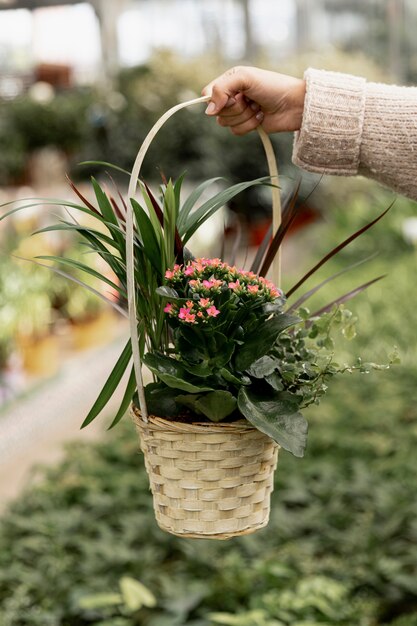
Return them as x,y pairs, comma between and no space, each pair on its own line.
169,308
183,313
212,311
197,266
170,274
190,317
200,314
253,288
214,262
190,304
212,283
189,271
204,302
234,285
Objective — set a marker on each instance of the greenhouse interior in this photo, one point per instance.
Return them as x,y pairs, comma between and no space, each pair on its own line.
122,310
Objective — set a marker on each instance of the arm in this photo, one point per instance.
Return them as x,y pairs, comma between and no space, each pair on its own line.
344,125
353,127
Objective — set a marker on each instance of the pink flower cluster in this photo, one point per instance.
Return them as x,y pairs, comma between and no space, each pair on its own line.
194,311
202,280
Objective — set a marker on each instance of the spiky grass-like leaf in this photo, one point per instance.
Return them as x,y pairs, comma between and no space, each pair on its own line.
287,219
110,385
315,289
197,218
346,297
335,251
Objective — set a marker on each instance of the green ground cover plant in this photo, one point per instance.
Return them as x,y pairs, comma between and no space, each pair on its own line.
341,546
82,547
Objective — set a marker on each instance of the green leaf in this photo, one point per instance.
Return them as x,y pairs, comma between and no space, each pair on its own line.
201,369
275,381
207,209
63,225
104,204
189,400
83,268
112,260
171,373
161,400
216,405
151,244
169,293
277,416
55,270
49,202
177,193
232,378
99,601
180,383
259,343
105,164
170,214
263,367
127,399
223,354
110,385
192,199
135,594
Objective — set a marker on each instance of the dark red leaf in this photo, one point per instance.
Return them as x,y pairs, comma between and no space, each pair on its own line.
287,219
346,297
81,197
336,250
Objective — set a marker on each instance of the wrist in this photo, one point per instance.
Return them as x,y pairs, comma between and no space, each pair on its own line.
298,99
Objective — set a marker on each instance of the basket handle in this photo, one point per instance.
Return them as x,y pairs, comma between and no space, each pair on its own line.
130,282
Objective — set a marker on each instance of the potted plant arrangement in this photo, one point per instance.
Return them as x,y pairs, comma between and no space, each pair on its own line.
234,360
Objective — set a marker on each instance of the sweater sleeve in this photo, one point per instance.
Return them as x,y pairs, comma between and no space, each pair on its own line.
353,127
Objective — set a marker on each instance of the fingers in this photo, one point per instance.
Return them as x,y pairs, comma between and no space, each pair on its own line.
225,87
240,114
229,104
245,126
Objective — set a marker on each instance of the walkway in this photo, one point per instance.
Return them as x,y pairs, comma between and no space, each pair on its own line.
36,427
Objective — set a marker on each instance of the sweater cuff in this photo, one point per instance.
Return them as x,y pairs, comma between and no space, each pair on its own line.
330,137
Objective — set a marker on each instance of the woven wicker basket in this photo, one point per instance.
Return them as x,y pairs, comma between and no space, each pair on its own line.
208,480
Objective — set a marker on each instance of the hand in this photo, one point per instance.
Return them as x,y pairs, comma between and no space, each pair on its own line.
245,97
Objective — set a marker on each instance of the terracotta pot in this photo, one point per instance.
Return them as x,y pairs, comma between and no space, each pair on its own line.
94,332
40,355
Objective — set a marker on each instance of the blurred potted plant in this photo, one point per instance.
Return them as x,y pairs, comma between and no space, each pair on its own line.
9,374
234,363
28,295
91,320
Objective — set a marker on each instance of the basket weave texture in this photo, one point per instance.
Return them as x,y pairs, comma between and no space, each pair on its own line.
208,480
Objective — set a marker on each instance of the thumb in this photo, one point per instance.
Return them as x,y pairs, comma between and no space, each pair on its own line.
223,90
215,105
218,99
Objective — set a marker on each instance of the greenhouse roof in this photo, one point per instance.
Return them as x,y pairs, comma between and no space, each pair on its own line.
33,4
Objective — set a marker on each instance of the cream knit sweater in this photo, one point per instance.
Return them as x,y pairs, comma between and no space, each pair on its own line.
353,127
